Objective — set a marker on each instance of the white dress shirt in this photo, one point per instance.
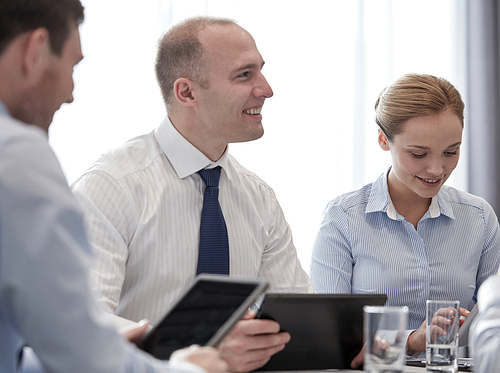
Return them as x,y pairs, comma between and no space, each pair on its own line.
143,207
45,294
484,337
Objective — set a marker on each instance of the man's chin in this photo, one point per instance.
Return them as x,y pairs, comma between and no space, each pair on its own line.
255,136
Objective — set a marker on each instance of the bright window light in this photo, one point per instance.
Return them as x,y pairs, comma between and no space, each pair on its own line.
326,60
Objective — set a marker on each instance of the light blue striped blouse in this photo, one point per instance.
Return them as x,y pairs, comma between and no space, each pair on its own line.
365,246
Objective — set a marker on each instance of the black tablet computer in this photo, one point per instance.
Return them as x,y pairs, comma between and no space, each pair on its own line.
326,329
203,314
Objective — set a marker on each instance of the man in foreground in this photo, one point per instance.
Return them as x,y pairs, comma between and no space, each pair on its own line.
45,298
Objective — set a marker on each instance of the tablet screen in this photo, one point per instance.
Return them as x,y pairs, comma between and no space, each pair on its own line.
203,315
326,329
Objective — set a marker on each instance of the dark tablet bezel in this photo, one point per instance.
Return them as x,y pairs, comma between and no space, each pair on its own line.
326,329
147,343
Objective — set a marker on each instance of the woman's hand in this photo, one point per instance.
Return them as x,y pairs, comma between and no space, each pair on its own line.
441,320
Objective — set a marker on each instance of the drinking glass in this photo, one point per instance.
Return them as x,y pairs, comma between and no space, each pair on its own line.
384,336
442,336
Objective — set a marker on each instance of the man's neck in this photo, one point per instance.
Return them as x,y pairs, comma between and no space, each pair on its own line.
207,144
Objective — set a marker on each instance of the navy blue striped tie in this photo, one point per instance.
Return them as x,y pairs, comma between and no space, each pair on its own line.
214,246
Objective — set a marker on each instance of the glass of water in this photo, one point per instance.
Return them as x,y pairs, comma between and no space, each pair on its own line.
384,336
442,336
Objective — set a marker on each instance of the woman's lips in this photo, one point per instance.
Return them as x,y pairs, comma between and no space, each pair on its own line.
432,183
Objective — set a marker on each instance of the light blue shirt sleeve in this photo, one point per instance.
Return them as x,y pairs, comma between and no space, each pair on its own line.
46,300
331,269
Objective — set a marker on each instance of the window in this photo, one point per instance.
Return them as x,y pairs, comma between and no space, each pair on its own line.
326,60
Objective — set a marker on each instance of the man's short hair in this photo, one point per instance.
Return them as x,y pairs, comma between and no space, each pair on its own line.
181,54
57,16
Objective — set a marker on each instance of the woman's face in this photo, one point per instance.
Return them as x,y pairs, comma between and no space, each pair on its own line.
424,154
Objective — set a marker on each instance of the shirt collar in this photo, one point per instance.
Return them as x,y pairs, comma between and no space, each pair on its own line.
3,109
442,205
379,196
433,211
185,158
380,200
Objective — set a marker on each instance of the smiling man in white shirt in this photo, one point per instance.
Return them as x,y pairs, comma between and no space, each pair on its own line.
143,202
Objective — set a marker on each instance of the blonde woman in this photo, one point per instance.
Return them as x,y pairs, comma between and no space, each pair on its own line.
407,234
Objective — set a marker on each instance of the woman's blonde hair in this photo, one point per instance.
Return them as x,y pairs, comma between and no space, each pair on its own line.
415,95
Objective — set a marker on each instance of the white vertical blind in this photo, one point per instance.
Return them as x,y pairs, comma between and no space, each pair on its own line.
326,61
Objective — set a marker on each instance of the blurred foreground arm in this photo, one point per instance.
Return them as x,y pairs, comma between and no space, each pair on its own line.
484,339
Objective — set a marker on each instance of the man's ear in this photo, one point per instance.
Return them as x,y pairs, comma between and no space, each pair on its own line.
36,53
382,140
183,92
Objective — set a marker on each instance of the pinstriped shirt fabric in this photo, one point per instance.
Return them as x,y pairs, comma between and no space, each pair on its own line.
365,246
143,204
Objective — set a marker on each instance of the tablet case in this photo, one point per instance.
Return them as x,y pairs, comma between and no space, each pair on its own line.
203,314
326,329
